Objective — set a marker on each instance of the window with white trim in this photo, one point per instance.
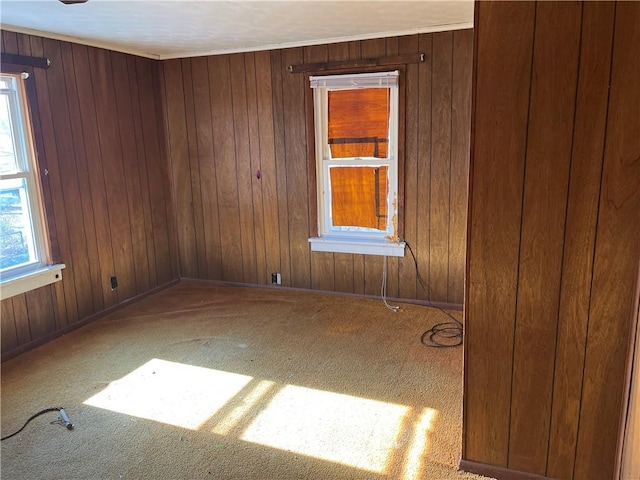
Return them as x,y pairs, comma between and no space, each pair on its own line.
356,134
24,250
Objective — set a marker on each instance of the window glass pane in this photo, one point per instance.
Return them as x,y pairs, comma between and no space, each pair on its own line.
17,245
8,158
359,197
358,122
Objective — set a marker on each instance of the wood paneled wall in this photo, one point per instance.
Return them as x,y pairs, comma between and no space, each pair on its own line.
554,235
230,116
99,135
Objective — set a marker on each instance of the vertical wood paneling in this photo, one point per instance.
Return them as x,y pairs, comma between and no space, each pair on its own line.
243,162
88,217
460,145
7,323
421,246
40,311
296,168
55,177
24,48
617,255
113,170
257,227
498,153
157,175
206,159
551,107
413,130
131,172
442,78
268,178
181,169
21,318
71,194
277,70
89,134
88,129
580,233
142,173
259,115
558,380
195,189
226,168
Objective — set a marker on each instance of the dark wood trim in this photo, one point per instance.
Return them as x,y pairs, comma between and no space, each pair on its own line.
24,60
424,303
474,70
633,350
401,139
96,316
393,60
311,158
500,473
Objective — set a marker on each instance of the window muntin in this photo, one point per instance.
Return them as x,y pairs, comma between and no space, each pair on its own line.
23,245
356,122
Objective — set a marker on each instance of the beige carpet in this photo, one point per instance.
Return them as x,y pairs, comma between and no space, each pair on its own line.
202,381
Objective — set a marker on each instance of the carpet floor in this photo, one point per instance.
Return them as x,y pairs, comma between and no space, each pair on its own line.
211,382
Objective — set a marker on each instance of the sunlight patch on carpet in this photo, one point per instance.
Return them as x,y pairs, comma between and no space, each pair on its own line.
173,393
353,431
419,447
246,403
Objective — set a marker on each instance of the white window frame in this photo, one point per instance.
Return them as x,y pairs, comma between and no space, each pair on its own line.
350,240
39,272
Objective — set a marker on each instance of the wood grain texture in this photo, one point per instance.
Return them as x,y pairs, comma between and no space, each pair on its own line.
293,104
87,125
497,171
460,145
580,233
277,71
195,189
206,160
266,129
548,159
268,170
414,130
113,170
226,167
617,253
181,168
548,397
244,168
254,167
439,201
8,325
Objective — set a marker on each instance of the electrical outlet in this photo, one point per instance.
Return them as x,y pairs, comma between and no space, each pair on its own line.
114,283
276,279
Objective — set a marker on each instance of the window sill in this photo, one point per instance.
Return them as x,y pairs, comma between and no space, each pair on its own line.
30,281
340,244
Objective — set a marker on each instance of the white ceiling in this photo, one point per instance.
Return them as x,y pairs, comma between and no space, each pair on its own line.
173,29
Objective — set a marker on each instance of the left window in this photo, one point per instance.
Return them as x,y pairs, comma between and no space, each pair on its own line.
24,250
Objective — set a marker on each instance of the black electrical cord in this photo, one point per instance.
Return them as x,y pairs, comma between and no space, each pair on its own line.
441,335
64,420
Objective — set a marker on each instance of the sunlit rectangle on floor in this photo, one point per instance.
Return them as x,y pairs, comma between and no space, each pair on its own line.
172,393
349,430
